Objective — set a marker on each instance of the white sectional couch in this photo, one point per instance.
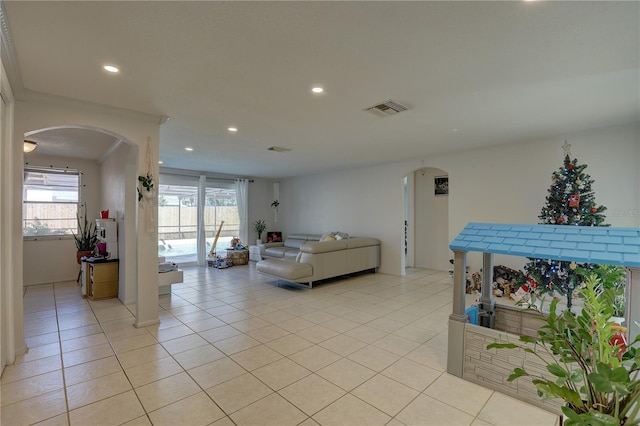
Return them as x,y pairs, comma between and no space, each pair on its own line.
317,260
287,249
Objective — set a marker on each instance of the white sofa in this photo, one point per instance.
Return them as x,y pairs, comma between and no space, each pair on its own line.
317,260
287,249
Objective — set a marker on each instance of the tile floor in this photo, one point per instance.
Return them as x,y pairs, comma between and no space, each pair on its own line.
234,347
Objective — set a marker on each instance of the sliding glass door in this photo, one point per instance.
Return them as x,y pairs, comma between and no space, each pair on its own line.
178,216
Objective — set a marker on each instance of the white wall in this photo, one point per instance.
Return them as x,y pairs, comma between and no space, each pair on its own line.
260,199
49,260
431,216
499,184
115,198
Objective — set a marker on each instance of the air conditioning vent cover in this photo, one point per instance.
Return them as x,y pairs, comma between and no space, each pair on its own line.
387,108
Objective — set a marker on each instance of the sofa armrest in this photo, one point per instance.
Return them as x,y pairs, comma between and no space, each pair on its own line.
323,247
265,246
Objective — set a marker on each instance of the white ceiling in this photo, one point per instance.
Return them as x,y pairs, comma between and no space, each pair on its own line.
496,72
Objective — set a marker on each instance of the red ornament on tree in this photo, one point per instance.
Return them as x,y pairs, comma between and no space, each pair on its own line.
593,210
570,166
574,200
560,219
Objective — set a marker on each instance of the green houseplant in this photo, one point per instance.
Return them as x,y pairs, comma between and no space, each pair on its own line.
260,225
87,237
147,184
590,365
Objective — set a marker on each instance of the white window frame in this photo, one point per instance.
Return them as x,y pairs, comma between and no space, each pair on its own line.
77,203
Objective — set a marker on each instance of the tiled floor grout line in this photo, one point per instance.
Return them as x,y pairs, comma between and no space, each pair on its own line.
64,380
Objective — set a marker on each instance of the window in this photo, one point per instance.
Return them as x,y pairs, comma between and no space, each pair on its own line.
50,201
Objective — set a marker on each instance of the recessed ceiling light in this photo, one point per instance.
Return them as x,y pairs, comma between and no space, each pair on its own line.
317,89
111,68
232,129
160,162
188,148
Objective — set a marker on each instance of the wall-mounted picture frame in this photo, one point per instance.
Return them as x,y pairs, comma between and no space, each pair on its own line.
274,237
441,185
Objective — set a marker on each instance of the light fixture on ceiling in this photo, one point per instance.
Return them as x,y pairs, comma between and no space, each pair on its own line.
111,68
188,148
29,146
317,89
232,129
160,162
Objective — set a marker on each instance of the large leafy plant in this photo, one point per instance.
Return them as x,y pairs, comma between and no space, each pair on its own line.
590,365
87,237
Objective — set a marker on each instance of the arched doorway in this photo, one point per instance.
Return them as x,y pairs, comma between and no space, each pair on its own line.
107,166
426,219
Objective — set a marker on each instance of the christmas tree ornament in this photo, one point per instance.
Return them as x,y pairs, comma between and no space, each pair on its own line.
574,200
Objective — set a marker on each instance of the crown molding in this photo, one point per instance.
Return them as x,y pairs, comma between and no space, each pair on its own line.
9,58
47,98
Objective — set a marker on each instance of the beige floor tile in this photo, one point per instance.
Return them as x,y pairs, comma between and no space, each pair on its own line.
346,374
198,356
340,325
216,372
250,324
480,422
225,421
88,392
281,373
204,324
271,410
439,341
350,410
268,333
503,410
312,393
411,373
396,344
256,357
21,371
148,372
425,410
131,343
360,317
295,325
195,410
290,344
42,339
315,357
385,394
374,358
80,332
219,333
59,420
239,392
111,411
83,342
33,410
143,355
343,345
39,352
81,356
430,357
317,333
185,343
236,344
139,421
366,334
386,324
91,370
447,387
318,317
164,334
415,334
31,387
166,391
276,317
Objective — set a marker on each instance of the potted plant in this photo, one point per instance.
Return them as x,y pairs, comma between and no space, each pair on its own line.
87,237
260,225
147,184
590,364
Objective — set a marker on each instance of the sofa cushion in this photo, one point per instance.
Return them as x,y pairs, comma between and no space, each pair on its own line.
294,243
284,269
324,246
275,251
291,254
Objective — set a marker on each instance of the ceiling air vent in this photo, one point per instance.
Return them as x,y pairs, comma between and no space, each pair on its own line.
278,149
387,108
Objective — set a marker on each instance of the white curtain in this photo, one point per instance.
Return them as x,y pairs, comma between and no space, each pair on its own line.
202,237
242,196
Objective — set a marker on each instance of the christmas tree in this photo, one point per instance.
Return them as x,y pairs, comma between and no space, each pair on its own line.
570,202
